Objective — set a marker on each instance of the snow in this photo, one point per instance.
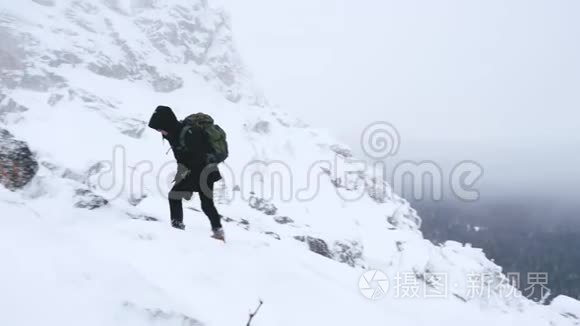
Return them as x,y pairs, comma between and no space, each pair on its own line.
566,306
100,268
84,272
115,265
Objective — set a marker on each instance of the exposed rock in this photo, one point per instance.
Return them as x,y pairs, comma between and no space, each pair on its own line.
160,317
379,190
224,218
195,35
115,71
352,181
316,245
143,217
348,252
50,166
400,246
244,223
405,217
96,169
341,150
273,234
283,219
300,238
87,199
17,163
262,205
283,122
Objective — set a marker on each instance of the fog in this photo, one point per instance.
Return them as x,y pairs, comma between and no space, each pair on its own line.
497,82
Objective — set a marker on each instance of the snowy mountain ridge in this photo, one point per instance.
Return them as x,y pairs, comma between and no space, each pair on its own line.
87,239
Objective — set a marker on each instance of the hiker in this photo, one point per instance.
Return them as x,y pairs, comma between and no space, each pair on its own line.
196,164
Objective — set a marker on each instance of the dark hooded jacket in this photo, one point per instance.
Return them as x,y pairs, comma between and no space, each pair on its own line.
192,157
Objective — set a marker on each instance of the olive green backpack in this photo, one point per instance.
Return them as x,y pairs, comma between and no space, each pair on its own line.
215,134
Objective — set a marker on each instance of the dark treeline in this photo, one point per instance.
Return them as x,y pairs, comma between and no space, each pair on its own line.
526,235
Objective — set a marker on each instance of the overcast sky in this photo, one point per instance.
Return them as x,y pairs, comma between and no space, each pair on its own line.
496,81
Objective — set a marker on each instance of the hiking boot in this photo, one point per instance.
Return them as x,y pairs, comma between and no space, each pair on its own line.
219,234
178,225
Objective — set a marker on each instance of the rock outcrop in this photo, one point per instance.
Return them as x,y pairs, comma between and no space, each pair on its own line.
17,163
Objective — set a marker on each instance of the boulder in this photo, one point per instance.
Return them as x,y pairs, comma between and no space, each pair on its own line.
87,199
17,162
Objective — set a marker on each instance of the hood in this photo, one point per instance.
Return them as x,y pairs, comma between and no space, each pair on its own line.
164,119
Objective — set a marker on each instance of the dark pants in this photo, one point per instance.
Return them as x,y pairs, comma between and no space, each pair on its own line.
184,190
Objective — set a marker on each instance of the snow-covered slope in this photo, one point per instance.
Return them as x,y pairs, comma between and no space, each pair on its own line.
87,240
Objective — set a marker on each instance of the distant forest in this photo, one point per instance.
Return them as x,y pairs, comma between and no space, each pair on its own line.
526,235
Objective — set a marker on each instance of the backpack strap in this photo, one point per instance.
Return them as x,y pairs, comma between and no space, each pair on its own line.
184,130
